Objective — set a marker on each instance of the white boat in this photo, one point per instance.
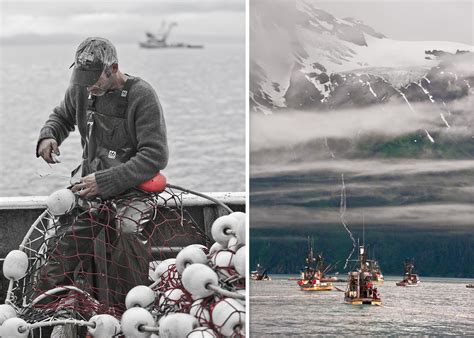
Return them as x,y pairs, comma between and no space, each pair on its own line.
160,40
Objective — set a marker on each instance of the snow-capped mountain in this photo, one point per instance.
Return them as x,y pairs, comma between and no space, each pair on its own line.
303,57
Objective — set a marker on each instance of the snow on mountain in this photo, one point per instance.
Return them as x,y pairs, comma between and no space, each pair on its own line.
300,55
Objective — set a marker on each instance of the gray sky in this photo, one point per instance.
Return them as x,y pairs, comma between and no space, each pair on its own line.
208,20
441,20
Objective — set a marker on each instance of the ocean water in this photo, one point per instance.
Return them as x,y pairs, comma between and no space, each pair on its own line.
202,92
439,306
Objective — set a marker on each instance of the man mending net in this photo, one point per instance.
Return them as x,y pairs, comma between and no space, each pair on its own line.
123,137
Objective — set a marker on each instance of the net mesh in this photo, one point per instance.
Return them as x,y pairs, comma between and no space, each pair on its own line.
84,263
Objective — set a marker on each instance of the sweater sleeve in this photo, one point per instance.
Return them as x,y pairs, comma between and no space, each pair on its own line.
147,122
61,122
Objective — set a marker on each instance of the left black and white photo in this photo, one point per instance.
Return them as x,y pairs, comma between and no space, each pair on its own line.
123,171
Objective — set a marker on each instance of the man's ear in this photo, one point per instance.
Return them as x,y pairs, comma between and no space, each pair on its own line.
114,68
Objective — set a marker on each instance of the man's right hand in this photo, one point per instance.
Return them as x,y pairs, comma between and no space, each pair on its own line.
46,148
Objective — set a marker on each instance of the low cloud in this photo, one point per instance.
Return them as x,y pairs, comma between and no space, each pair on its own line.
400,167
422,216
291,128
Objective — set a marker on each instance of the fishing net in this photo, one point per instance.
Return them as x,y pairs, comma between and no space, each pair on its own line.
84,263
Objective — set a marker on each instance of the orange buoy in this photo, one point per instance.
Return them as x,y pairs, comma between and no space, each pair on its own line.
156,184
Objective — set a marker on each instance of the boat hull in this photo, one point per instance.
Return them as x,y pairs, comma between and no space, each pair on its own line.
407,284
317,288
363,301
260,279
162,46
308,285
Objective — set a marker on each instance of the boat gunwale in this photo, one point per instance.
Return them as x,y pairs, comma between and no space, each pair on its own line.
39,202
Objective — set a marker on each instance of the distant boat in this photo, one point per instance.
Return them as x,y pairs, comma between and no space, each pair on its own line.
259,274
470,286
410,278
360,288
374,268
376,272
313,278
160,40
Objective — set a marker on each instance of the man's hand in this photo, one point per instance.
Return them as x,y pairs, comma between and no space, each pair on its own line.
87,186
48,150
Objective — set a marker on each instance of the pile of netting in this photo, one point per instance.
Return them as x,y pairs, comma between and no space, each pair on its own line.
136,267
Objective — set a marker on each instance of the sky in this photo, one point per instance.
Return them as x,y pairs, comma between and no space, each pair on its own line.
122,21
415,20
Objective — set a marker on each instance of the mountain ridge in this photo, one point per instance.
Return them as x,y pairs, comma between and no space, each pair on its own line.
295,74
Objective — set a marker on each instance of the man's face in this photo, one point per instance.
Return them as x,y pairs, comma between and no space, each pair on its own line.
103,84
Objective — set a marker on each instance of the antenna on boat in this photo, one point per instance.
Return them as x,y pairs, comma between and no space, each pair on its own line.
363,229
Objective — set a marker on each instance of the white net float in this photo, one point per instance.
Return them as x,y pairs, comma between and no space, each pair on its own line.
15,265
228,316
130,216
239,261
14,328
6,312
141,296
133,321
241,229
196,278
224,228
204,248
215,248
200,310
61,202
190,255
202,332
242,292
106,326
223,263
177,325
233,244
240,216
172,300
162,268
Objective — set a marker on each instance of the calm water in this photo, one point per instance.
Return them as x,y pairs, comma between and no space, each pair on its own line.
439,306
202,93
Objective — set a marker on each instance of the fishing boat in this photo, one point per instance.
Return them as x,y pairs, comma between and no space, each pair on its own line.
313,276
260,273
159,40
374,268
410,278
360,287
377,275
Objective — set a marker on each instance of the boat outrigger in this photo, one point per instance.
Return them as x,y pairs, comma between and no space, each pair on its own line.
160,40
360,288
410,278
313,277
259,274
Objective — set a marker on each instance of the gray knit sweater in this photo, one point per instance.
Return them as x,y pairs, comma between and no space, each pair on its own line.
146,127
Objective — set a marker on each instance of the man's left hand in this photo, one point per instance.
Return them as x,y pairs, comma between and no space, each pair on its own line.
87,187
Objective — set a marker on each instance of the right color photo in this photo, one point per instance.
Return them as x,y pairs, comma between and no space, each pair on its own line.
361,168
